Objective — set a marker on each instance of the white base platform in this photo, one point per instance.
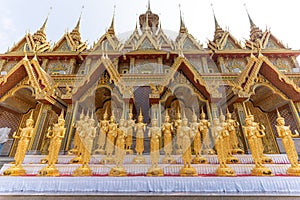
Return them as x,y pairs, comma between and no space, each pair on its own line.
212,185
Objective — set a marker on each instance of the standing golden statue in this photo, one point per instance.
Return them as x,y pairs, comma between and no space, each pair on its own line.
119,170
260,130
25,137
177,126
186,135
232,127
195,128
168,130
103,124
140,129
286,135
230,158
77,141
221,136
87,136
110,142
58,133
155,135
253,137
204,130
130,127
74,150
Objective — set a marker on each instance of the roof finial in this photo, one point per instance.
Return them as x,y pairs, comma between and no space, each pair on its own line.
149,5
216,22
79,19
111,29
182,25
251,22
45,23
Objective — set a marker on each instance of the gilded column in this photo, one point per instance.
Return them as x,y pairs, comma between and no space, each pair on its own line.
69,121
41,126
241,115
295,107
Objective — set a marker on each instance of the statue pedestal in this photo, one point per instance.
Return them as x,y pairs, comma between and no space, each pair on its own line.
188,171
128,152
117,171
44,160
261,171
15,171
237,151
225,171
99,152
83,170
199,160
155,171
232,160
168,160
293,171
139,160
50,170
76,160
209,152
266,160
108,160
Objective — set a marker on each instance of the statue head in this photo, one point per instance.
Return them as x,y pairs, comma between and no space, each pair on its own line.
29,121
248,121
154,122
122,123
228,114
216,121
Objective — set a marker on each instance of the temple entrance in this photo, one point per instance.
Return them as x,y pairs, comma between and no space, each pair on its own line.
183,99
263,104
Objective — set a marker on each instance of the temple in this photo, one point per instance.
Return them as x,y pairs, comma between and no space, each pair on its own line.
148,72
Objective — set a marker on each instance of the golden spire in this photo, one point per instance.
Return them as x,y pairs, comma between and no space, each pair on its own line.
40,35
111,29
217,26
149,5
184,116
167,113
75,34
278,114
183,29
250,20
31,116
61,117
141,114
105,115
81,114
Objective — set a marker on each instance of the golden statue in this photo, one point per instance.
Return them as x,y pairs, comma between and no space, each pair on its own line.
177,126
103,124
110,142
230,158
232,126
87,136
204,130
167,130
77,141
119,170
58,133
260,130
140,129
286,135
186,135
195,128
253,140
130,127
155,135
221,136
25,137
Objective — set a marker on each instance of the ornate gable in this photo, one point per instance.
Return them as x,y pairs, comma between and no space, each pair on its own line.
64,44
147,42
26,43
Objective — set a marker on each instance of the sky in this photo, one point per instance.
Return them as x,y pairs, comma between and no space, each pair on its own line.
17,17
